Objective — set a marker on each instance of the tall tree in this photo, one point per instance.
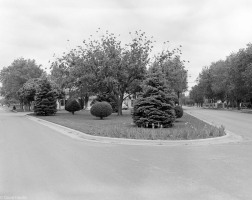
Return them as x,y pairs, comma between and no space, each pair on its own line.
169,64
14,76
106,66
197,95
45,99
27,92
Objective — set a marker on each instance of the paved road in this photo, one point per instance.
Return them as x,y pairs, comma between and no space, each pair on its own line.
38,163
234,121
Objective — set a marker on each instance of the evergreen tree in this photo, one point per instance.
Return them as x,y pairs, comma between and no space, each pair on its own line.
156,106
45,99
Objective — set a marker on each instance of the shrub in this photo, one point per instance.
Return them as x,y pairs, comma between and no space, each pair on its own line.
155,108
72,106
45,99
107,98
178,111
101,109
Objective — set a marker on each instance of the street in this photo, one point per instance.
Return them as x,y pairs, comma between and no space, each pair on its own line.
38,163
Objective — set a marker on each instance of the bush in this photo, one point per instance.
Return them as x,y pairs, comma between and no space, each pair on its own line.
155,108
101,109
178,111
107,98
72,106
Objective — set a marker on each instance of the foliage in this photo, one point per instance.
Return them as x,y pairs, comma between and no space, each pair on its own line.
45,99
169,65
27,92
72,106
14,76
228,80
108,98
178,111
107,66
101,109
155,108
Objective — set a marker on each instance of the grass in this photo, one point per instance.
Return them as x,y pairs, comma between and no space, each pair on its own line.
187,127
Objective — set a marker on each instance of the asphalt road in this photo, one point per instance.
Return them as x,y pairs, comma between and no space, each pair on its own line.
38,163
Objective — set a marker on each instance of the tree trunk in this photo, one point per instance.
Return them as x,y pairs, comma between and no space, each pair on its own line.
86,98
120,102
29,106
21,105
73,113
238,105
178,98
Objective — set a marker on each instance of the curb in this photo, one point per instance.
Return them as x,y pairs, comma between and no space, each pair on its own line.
228,138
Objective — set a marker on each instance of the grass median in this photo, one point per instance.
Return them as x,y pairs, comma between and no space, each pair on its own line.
185,128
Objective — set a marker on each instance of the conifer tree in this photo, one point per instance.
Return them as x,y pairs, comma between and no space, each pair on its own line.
45,100
156,106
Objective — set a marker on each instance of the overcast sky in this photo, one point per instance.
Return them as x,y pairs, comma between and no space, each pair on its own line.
208,30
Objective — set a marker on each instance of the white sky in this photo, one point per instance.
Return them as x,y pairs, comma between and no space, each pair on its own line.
208,30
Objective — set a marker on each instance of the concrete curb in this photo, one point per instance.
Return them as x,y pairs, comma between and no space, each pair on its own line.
229,138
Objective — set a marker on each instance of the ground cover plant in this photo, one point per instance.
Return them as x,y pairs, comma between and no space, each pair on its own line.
186,127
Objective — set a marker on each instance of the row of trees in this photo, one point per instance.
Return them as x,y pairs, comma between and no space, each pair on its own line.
22,80
16,75
226,80
103,67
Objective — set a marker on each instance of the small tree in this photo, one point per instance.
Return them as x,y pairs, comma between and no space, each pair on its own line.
72,106
45,100
101,109
155,108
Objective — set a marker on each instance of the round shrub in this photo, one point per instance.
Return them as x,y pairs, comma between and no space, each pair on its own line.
108,98
101,109
178,111
72,106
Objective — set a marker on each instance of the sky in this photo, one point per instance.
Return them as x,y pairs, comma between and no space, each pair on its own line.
208,30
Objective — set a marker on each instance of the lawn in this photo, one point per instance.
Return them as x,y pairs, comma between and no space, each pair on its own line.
187,127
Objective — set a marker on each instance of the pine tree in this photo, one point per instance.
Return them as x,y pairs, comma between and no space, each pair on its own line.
45,100
156,106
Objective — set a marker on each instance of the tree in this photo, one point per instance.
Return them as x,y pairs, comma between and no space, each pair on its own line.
45,99
14,76
240,64
170,65
220,80
28,91
72,106
106,66
68,72
228,80
155,108
101,109
197,95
